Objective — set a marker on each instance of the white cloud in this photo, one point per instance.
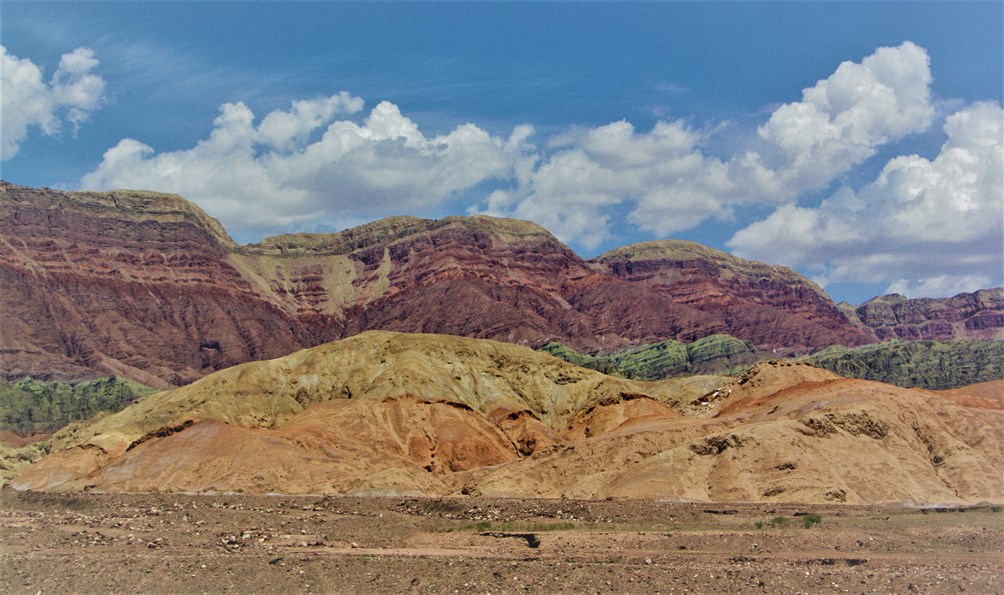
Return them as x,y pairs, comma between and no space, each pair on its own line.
305,164
941,285
933,226
26,100
287,130
922,226
670,183
599,168
842,119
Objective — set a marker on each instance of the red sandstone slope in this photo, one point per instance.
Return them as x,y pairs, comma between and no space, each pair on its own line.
147,286
773,306
128,283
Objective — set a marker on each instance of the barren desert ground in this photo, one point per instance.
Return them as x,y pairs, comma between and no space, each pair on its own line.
86,543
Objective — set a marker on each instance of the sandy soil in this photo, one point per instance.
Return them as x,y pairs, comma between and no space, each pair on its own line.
85,543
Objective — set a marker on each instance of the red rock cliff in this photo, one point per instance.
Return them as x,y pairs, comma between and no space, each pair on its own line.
147,286
977,315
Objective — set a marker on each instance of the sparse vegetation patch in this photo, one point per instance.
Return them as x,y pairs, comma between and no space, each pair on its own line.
713,354
934,365
29,406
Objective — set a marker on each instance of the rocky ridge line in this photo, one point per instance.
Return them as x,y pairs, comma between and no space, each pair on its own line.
148,287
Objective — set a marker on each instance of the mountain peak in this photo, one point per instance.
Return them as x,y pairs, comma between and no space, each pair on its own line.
665,250
685,251
124,204
348,240
513,229
889,298
391,229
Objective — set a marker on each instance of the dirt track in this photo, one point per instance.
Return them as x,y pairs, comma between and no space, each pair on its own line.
177,543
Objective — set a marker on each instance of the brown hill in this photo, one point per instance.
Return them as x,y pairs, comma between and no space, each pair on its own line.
989,395
387,413
147,286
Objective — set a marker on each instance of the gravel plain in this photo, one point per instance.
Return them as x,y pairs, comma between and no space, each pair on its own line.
173,543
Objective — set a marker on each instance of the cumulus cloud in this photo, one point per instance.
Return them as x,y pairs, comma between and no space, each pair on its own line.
670,183
673,185
942,285
843,119
326,161
27,100
935,227
285,130
310,163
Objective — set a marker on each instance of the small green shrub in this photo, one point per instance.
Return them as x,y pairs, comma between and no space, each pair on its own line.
779,521
811,519
758,524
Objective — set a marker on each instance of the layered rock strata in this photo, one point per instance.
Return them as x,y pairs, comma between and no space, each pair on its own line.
147,286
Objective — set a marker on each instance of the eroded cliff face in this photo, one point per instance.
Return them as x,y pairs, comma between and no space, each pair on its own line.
470,276
977,315
128,283
149,287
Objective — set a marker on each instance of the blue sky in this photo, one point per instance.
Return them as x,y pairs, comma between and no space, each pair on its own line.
608,123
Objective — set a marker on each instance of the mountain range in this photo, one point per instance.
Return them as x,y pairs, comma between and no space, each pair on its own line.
147,286
395,358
